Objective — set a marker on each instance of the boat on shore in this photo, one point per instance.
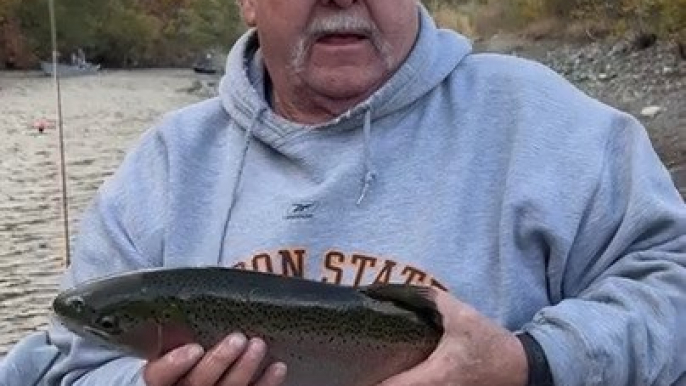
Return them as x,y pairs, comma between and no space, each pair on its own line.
65,70
208,64
199,69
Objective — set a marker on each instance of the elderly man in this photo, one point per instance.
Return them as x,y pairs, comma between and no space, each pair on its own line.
355,138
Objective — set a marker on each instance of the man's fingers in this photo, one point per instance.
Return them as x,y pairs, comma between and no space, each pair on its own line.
245,368
274,375
167,370
233,362
215,363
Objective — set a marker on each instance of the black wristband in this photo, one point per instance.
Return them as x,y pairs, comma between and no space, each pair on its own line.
539,370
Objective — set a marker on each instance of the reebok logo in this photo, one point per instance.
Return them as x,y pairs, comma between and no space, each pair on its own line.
301,210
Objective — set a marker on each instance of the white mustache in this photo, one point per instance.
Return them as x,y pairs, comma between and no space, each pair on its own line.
341,23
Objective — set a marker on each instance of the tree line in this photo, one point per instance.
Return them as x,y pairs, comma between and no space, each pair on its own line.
150,33
117,33
663,19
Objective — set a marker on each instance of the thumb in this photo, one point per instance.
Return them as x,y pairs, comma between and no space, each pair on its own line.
167,370
432,367
416,376
425,373
454,312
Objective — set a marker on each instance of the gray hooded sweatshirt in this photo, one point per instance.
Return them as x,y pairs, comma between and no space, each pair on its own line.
486,175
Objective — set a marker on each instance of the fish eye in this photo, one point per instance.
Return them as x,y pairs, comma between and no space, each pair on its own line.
76,303
109,323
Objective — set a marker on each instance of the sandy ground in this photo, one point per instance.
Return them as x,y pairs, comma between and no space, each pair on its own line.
103,116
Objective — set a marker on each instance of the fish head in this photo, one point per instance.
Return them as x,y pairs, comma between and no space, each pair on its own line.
122,313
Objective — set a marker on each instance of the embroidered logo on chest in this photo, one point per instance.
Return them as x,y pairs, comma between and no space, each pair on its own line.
301,210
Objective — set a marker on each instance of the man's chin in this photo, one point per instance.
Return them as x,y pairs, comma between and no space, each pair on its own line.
355,84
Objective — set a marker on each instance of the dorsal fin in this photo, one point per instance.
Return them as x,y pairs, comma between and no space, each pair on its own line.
418,299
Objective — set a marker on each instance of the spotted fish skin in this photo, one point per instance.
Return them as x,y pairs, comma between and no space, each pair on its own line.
326,334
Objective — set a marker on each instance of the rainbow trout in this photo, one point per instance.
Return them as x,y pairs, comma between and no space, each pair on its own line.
328,335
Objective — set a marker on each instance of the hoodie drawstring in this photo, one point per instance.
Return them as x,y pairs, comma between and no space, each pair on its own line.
239,176
368,179
369,172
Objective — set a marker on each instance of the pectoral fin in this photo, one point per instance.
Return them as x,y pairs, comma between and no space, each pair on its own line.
418,299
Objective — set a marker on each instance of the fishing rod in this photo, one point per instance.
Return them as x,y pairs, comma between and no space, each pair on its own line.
64,204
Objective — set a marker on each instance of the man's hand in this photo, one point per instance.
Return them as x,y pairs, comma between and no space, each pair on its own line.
233,362
474,351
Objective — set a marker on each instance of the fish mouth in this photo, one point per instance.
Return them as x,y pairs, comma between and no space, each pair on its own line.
78,328
67,323
99,336
111,341
98,333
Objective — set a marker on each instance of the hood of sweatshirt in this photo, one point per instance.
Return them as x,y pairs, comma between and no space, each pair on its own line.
434,56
